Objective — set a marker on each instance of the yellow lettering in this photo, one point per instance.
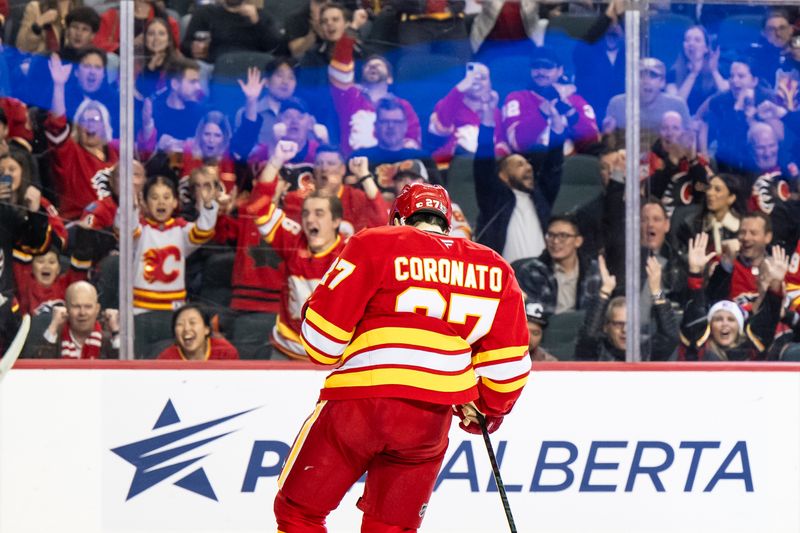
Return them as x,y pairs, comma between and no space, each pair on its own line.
457,273
444,270
470,282
429,265
415,266
496,279
401,268
482,269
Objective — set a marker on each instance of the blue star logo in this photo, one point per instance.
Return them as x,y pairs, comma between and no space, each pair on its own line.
146,455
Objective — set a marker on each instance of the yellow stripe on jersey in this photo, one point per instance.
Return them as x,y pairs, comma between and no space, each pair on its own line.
332,330
286,331
755,340
500,354
298,442
166,306
263,219
317,356
412,336
199,236
505,387
21,256
159,295
80,265
704,338
403,376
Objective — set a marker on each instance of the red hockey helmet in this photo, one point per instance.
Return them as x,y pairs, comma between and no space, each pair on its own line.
422,198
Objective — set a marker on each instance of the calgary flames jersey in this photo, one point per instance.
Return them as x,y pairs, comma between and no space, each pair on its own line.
405,313
303,268
161,251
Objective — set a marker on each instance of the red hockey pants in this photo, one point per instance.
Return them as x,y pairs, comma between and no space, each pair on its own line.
399,443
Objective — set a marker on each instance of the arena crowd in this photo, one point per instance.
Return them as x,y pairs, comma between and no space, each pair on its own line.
267,132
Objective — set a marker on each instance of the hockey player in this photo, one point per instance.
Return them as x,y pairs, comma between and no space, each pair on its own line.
415,322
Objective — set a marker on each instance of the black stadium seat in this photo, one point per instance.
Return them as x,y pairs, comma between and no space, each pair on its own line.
561,333
580,183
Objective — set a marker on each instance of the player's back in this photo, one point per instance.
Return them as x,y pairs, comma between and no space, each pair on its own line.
417,309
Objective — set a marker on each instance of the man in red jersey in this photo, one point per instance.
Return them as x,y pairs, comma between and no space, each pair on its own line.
415,322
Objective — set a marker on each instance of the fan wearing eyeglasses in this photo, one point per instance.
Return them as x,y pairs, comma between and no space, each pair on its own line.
562,278
75,161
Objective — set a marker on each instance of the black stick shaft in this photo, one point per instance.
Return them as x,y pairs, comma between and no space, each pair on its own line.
496,471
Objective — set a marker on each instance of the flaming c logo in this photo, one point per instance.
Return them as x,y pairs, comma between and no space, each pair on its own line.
154,260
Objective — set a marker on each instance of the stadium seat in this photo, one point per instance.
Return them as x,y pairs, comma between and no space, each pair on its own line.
233,66
183,23
228,69
791,353
152,333
665,36
216,290
580,183
563,33
424,80
510,72
560,334
281,10
461,186
739,31
107,282
39,325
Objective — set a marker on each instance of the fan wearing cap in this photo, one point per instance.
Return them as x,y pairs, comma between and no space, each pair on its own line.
721,332
653,100
547,114
537,322
412,322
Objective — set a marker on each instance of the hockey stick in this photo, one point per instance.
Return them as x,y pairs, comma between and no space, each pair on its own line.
496,471
11,355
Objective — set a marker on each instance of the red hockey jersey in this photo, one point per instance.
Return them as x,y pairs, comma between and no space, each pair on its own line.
73,168
304,269
525,127
256,279
405,313
355,108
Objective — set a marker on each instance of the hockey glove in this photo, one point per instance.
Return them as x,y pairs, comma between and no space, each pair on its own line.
469,421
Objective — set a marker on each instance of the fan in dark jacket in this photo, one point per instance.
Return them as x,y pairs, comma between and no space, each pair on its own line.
603,334
539,276
498,191
721,332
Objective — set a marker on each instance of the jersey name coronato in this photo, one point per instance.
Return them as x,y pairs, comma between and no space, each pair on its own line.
449,272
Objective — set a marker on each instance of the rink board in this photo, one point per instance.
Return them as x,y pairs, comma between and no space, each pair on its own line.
667,449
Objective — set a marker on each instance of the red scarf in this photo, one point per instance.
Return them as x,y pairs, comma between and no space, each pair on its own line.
91,346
